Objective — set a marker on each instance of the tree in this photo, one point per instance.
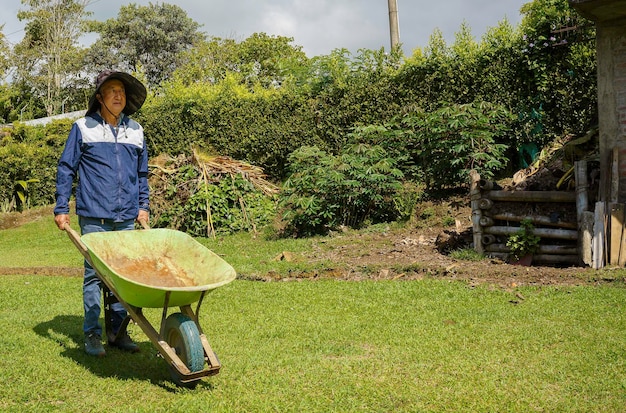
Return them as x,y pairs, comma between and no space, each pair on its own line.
269,60
351,91
4,54
208,61
48,57
260,59
560,69
498,64
151,37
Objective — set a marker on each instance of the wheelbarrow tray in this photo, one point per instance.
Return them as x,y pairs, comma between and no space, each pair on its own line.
143,266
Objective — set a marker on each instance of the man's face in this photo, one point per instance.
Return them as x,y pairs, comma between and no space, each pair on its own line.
112,96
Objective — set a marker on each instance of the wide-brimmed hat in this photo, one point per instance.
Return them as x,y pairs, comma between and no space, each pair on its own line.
135,91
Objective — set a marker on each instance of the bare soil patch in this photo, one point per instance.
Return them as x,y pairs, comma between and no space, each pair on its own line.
16,219
48,271
414,254
424,249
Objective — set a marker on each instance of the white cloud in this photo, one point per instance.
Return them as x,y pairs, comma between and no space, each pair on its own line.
279,21
316,25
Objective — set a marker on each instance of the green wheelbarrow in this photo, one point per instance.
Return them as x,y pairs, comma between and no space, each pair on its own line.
159,268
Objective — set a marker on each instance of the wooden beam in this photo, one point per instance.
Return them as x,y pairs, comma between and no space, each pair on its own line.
540,232
532,196
615,234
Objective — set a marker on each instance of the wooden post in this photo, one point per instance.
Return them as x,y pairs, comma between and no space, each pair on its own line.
615,236
475,195
488,239
585,227
582,188
598,236
586,244
621,260
614,175
485,203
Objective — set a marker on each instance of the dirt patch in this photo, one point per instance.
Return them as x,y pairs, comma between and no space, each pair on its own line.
414,254
48,271
16,219
156,271
424,250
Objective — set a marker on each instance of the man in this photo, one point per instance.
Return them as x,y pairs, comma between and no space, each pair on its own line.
106,152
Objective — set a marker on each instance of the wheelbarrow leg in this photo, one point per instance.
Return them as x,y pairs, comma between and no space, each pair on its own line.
109,300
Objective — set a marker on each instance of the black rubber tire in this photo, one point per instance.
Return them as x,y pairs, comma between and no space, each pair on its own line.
181,333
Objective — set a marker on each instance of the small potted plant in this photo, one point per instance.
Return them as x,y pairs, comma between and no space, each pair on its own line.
523,243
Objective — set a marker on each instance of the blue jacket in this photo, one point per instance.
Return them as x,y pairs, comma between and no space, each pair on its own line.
111,166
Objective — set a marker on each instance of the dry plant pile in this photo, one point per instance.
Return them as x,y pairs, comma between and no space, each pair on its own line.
215,168
553,168
175,180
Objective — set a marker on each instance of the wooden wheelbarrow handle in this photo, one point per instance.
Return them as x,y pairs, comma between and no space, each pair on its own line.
75,238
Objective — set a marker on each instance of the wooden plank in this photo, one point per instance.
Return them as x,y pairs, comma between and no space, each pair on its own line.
622,250
582,188
475,196
598,236
614,175
615,232
555,259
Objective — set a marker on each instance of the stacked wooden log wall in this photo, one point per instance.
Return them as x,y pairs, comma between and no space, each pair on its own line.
497,214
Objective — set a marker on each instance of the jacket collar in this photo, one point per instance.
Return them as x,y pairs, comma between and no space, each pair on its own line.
97,117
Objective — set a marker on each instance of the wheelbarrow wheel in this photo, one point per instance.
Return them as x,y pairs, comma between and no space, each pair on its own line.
181,333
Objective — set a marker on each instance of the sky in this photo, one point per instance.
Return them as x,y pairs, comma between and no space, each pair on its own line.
318,26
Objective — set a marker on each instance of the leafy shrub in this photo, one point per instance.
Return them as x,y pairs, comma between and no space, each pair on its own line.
440,147
53,134
406,200
31,164
523,241
233,205
455,139
326,191
29,159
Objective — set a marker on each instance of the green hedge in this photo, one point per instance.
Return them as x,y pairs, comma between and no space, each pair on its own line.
31,153
261,127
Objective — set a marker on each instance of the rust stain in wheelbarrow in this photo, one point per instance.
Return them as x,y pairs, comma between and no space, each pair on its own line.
160,271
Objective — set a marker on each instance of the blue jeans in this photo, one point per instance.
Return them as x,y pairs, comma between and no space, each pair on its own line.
92,288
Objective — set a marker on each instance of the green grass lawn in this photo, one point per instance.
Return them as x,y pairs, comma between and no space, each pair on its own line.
332,346
427,345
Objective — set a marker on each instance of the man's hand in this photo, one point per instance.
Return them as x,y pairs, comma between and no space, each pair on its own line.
143,218
61,220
